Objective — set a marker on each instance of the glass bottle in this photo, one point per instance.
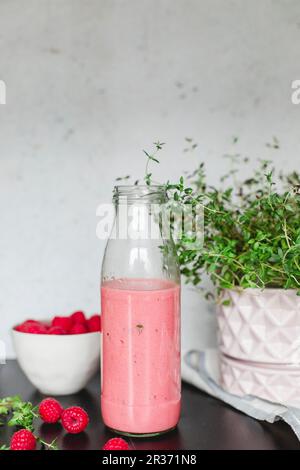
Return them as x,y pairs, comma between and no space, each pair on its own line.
140,297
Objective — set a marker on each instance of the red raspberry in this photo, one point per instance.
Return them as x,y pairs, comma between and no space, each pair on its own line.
37,329
56,330
50,410
65,323
78,317
32,327
116,443
78,329
74,419
22,326
94,323
23,440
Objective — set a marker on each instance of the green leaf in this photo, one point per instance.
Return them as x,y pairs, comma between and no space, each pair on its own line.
23,415
153,158
3,410
159,145
4,447
49,446
8,403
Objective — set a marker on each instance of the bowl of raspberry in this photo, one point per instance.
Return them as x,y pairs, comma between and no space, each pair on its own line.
61,355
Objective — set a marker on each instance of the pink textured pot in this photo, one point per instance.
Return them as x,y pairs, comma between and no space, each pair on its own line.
261,326
279,384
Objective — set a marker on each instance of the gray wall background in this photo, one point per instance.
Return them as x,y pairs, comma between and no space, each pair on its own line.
90,83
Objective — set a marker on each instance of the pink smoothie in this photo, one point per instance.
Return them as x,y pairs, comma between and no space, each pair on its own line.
141,384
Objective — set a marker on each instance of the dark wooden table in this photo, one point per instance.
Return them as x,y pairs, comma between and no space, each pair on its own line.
206,423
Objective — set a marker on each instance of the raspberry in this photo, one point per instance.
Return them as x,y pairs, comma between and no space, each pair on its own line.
74,419
30,321
78,317
94,323
25,324
33,327
37,329
50,410
78,329
23,440
116,443
56,330
65,323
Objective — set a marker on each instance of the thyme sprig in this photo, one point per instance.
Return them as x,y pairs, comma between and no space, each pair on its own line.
152,157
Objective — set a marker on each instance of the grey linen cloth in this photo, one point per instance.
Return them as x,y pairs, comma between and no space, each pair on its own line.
201,369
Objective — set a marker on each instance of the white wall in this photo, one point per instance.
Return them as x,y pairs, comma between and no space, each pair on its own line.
89,84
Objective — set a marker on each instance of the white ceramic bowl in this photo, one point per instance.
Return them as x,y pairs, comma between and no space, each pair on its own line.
58,364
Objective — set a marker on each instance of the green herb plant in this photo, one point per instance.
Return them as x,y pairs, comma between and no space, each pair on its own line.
251,228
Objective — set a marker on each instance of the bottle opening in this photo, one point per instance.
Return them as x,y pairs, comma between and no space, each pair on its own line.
140,194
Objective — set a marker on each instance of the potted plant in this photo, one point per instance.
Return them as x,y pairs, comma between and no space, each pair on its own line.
251,253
